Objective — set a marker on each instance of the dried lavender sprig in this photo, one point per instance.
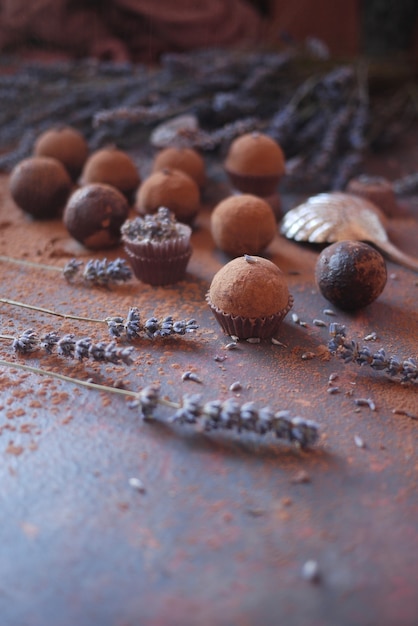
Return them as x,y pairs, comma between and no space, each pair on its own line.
152,327
297,429
230,415
96,272
69,346
118,326
351,351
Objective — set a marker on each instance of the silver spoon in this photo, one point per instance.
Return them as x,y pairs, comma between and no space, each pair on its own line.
340,216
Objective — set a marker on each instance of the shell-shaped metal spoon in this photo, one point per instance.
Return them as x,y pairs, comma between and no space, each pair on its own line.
339,216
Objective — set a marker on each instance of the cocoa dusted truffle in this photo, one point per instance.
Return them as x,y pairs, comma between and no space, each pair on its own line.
67,145
350,274
94,215
243,224
249,297
158,247
40,186
186,160
172,189
255,163
113,167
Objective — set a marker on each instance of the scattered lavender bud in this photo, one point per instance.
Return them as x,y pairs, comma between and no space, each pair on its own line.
333,390
399,411
365,402
295,318
236,386
191,376
311,571
329,312
317,322
137,484
219,359
249,258
332,377
359,442
276,342
371,337
253,340
231,346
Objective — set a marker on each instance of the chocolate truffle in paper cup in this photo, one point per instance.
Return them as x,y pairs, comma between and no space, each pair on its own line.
255,164
249,297
158,247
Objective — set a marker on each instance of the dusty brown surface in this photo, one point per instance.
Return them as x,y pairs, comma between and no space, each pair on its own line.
226,522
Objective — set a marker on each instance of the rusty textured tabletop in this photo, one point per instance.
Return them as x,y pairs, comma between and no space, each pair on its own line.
218,526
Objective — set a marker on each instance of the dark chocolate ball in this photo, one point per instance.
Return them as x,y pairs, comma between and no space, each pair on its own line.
40,186
94,215
350,274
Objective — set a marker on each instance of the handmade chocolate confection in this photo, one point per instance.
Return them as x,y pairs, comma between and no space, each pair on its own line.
350,274
158,247
249,297
186,160
67,145
40,186
255,163
94,215
113,167
243,224
170,188
377,189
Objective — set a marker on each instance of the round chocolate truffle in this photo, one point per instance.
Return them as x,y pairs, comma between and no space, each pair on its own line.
186,160
40,186
113,167
350,274
255,163
249,297
243,224
94,215
172,189
67,145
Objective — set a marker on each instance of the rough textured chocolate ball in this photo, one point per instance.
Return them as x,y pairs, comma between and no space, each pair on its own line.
172,189
40,186
112,167
94,215
255,163
243,224
350,274
186,160
67,145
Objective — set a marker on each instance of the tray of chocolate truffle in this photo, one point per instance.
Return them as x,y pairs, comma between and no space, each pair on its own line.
153,223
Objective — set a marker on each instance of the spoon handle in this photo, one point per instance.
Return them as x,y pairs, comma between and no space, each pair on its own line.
397,256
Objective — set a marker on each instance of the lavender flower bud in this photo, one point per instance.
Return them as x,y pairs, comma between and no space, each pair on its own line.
66,345
116,326
133,323
49,341
148,399
26,342
71,269
81,349
118,271
190,410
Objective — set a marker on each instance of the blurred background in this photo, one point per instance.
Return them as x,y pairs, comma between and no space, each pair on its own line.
141,30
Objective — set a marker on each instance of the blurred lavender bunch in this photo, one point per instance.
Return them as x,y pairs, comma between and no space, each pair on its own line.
230,415
350,351
153,327
98,272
